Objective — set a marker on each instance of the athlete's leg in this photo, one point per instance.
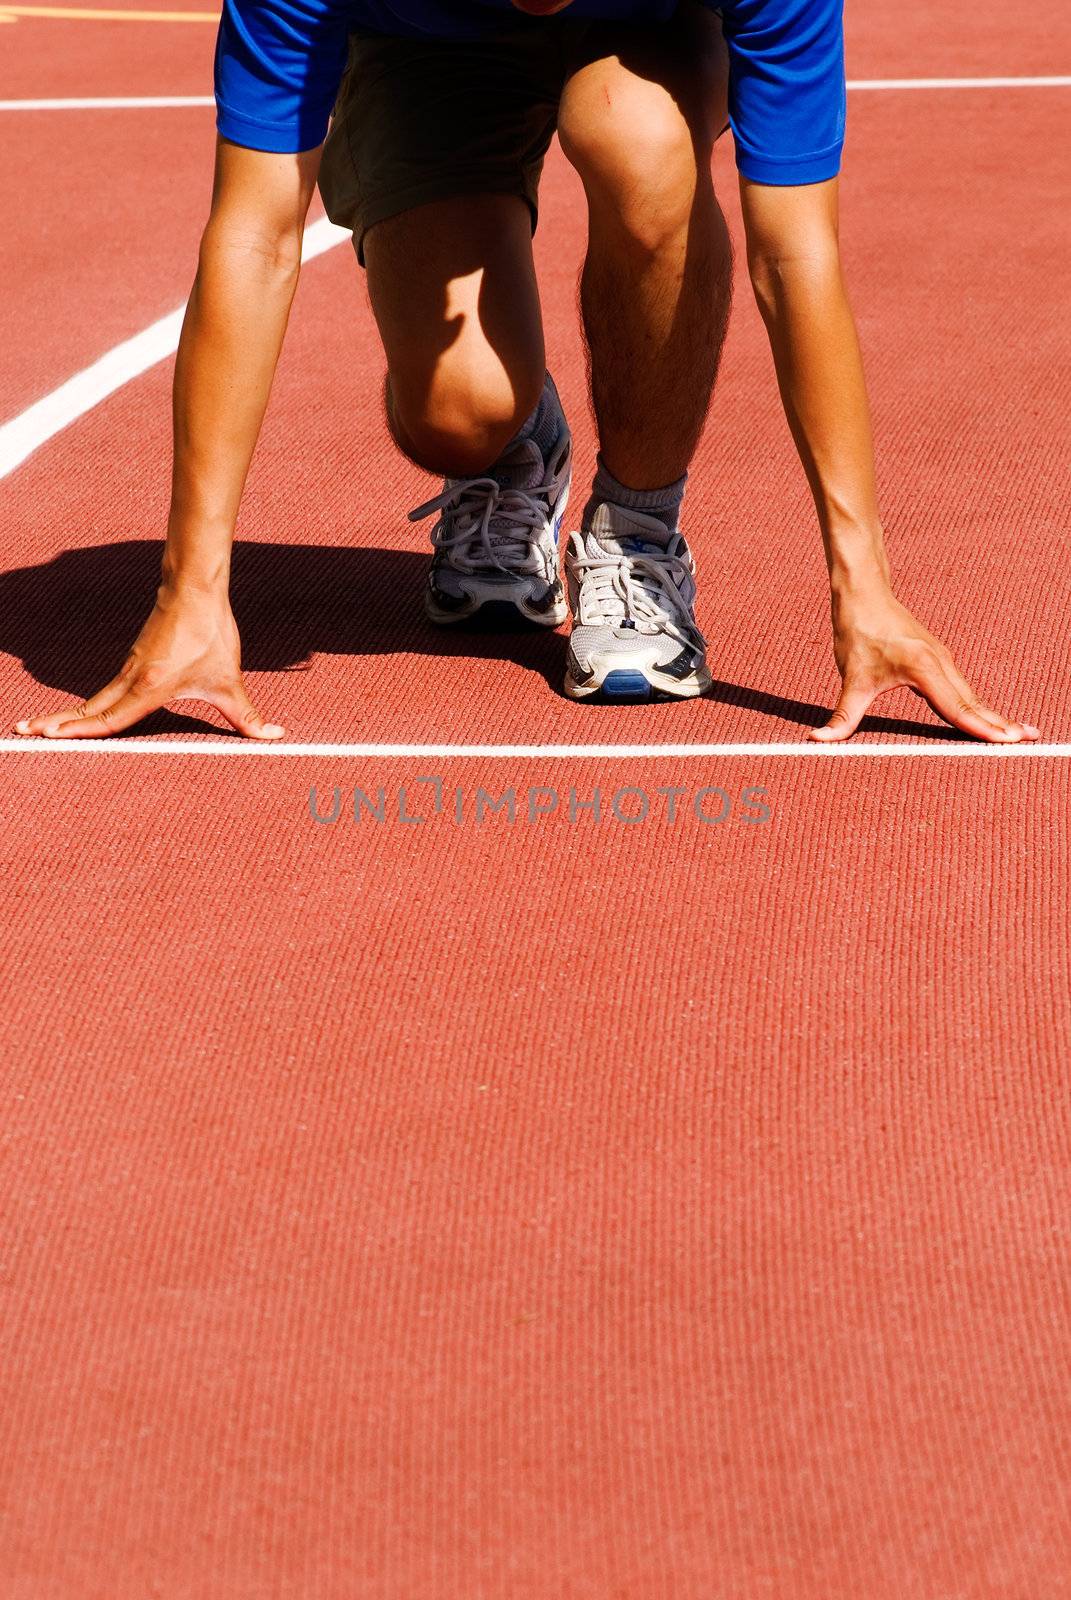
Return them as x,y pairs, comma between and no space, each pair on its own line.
638,120
639,125
453,290
433,160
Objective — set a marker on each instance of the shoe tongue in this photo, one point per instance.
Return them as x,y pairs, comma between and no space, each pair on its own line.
521,467
621,531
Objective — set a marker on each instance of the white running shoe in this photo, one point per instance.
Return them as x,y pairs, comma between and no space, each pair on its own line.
631,590
496,541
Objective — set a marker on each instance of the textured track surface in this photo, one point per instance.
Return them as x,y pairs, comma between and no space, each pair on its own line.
973,430
546,1210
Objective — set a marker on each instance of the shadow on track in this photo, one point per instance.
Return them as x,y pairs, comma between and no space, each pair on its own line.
72,620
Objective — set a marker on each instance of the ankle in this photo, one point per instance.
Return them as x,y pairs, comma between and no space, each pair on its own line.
663,503
545,424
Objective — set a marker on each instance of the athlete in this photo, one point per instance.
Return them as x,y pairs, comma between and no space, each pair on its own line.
433,160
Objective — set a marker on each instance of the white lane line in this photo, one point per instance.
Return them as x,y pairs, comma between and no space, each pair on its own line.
959,83
25,433
110,103
521,752
150,102
164,101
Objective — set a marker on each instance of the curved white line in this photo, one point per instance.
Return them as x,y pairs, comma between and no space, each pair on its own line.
25,433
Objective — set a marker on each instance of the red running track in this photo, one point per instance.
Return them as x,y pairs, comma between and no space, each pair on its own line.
661,1211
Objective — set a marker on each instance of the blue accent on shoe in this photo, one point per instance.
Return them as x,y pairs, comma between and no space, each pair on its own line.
624,684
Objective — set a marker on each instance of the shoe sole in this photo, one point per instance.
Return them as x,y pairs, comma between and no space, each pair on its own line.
496,613
637,684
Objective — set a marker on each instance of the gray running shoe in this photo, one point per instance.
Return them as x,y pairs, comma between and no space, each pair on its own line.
496,541
631,590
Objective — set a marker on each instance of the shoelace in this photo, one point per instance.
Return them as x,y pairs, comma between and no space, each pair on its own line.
641,588
476,502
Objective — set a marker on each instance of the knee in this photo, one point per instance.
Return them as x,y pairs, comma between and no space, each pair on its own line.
642,166
458,422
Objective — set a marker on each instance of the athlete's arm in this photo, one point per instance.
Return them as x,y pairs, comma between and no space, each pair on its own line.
277,69
794,260
787,107
231,337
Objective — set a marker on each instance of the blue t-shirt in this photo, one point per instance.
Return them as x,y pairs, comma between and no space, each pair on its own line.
279,64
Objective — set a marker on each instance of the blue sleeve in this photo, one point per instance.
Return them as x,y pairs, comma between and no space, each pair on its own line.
278,67
786,88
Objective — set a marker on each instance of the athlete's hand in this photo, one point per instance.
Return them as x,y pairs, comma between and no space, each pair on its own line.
187,650
878,646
